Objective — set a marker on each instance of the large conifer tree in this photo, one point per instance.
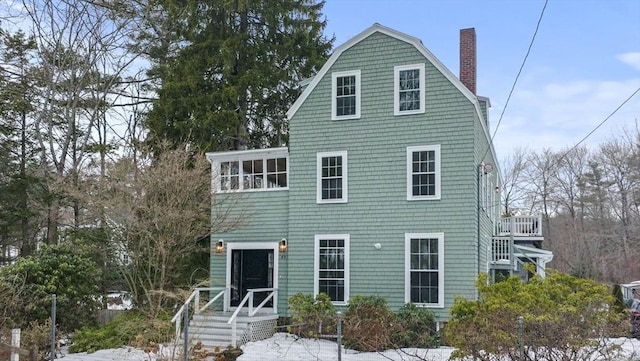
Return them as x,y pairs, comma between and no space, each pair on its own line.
235,71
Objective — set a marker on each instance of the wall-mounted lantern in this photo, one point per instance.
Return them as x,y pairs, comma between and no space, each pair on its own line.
220,246
283,246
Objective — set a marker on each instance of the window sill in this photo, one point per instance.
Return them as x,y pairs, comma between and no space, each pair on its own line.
408,112
427,198
346,117
331,201
255,190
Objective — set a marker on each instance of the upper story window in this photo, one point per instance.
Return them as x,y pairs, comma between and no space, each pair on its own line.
345,95
409,92
423,172
332,177
252,170
229,176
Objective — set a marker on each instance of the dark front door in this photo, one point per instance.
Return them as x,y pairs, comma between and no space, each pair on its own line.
251,268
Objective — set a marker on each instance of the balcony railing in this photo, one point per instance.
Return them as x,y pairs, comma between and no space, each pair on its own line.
509,230
501,250
520,226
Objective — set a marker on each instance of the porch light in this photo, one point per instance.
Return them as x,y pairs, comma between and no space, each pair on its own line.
220,246
487,167
283,245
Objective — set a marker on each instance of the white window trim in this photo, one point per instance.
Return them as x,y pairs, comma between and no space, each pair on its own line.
396,89
334,93
239,156
345,178
316,265
410,150
407,267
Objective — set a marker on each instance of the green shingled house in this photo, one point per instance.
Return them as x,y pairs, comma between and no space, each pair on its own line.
389,186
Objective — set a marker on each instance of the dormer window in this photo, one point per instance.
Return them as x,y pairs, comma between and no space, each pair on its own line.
409,92
345,95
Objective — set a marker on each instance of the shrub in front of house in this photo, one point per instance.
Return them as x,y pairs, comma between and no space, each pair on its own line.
417,328
563,318
130,328
369,324
312,317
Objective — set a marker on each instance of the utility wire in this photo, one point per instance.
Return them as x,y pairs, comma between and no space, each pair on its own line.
513,86
596,128
557,161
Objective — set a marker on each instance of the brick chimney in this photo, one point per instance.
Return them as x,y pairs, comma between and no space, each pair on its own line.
468,58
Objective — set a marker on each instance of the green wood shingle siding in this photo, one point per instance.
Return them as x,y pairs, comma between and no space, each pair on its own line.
378,210
263,217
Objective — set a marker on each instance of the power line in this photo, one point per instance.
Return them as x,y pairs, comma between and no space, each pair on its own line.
557,161
513,86
596,128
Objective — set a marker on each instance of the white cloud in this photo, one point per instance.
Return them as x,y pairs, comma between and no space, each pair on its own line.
559,114
564,91
632,59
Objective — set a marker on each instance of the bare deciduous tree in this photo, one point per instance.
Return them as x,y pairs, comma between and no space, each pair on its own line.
160,212
513,185
82,63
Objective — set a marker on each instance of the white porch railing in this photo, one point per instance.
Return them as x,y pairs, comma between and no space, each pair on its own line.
273,295
195,299
520,226
502,250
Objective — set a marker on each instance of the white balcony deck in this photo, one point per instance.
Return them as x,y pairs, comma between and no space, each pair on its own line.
509,235
520,227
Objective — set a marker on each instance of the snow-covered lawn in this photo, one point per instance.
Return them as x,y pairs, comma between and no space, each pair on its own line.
285,347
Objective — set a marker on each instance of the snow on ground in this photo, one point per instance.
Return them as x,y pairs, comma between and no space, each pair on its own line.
283,346
286,347
120,354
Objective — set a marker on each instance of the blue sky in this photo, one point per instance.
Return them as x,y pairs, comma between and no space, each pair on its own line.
584,62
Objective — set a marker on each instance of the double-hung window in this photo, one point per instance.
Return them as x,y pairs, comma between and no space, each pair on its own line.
423,172
345,95
331,267
332,177
409,92
424,269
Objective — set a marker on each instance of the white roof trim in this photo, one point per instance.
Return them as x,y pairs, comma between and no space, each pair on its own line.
247,154
547,256
417,43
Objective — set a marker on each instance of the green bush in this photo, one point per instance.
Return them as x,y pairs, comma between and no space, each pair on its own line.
417,328
131,328
312,317
66,270
369,324
565,318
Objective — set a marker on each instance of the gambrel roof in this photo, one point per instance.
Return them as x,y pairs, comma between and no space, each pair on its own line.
417,43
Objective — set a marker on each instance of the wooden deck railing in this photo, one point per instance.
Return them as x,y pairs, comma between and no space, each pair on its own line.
195,299
501,250
248,300
520,226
